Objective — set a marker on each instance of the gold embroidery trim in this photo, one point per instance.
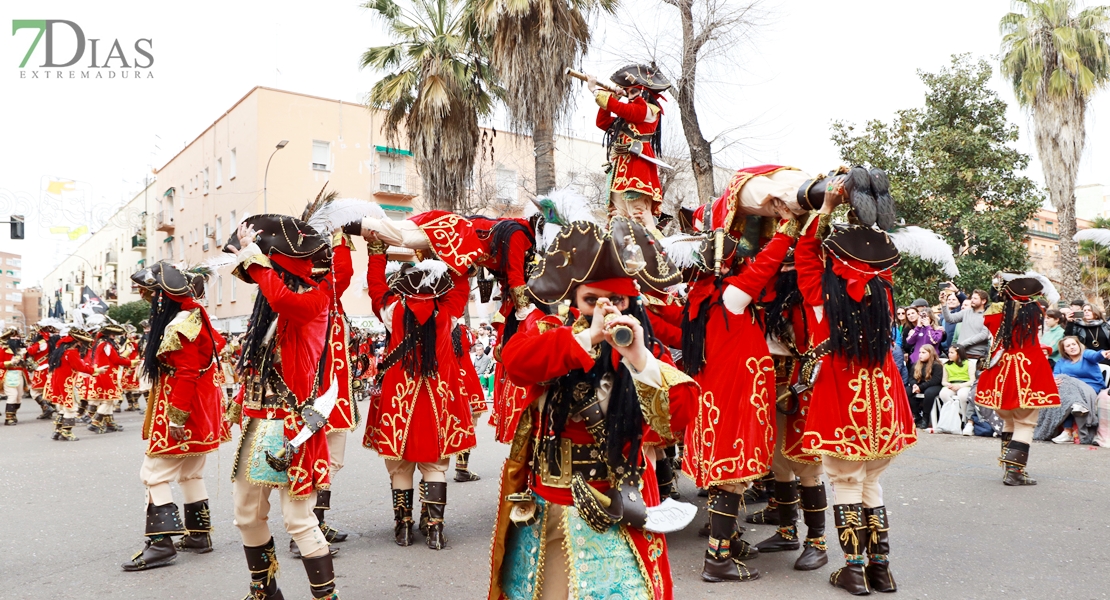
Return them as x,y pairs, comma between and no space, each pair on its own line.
655,403
190,328
520,296
176,415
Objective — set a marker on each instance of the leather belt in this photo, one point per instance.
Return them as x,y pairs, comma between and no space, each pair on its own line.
585,459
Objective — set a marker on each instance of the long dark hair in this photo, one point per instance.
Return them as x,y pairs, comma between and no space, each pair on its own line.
59,351
162,311
254,345
777,312
612,134
418,345
1021,323
865,327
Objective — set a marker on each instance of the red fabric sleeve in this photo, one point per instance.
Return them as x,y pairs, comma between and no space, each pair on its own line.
188,361
755,275
604,119
810,266
454,301
665,330
115,359
376,287
531,357
514,262
634,112
76,363
297,308
342,269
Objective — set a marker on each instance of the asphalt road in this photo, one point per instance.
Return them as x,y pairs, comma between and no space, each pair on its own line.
70,513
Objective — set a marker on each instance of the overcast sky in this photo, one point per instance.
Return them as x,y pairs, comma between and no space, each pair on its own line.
784,85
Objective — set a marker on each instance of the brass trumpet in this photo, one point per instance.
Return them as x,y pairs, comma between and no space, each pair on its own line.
622,334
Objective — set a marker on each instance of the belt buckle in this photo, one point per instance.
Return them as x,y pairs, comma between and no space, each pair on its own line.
566,465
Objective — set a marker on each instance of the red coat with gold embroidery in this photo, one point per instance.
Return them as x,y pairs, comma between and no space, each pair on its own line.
129,380
38,352
509,399
632,173
419,418
106,386
857,411
301,336
64,380
731,438
791,438
343,416
186,384
1021,378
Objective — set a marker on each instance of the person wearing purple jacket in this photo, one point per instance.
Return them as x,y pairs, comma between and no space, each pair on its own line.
924,334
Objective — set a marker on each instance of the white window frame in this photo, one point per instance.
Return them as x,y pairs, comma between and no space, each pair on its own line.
391,180
205,181
503,193
219,173
219,229
232,166
219,289
326,147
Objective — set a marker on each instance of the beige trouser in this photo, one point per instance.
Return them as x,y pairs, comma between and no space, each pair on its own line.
188,471
634,206
785,469
401,472
556,584
337,447
106,407
252,509
1020,422
14,394
856,481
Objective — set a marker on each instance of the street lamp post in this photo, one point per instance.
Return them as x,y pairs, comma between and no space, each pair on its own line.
265,200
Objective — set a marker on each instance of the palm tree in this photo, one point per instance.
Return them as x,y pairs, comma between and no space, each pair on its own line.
437,85
1094,271
1056,57
531,42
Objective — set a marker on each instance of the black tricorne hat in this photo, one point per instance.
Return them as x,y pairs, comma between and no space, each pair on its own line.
863,244
423,281
647,76
288,236
164,276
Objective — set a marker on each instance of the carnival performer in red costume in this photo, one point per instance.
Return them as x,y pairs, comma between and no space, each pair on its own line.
577,493
287,396
423,415
859,418
632,129
12,354
105,389
184,418
729,441
788,339
129,379
66,366
1019,381
461,342
38,354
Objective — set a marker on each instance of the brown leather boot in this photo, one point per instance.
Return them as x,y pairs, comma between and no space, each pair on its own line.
110,423
814,548
423,524
198,529
161,522
323,504
1015,459
435,500
57,435
402,517
878,572
721,562
263,565
463,473
321,576
1005,437
96,425
848,519
786,538
47,408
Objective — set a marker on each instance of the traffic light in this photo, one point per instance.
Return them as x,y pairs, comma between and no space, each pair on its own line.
17,227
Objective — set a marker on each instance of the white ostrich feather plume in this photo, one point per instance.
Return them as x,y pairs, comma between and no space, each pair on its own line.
1049,292
432,269
682,249
927,245
1098,236
341,211
392,267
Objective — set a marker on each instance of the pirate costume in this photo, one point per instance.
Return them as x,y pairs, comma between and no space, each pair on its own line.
576,487
38,357
105,389
67,366
12,353
184,419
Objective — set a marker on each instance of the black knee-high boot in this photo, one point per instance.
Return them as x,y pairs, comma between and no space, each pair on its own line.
435,500
263,564
1015,459
162,521
786,538
198,528
879,576
815,548
852,531
726,549
463,473
402,517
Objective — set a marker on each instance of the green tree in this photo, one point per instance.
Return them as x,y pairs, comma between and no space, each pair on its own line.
531,42
952,170
1056,58
1094,260
131,312
437,85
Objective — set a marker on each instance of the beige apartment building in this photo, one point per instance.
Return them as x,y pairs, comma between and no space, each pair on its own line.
11,308
199,196
1042,239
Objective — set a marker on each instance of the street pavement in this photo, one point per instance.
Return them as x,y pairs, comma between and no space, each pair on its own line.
70,513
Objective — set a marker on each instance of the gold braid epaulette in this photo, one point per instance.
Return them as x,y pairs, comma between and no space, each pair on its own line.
190,328
655,403
376,247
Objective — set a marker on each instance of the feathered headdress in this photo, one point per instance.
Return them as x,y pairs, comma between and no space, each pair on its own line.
1098,236
926,245
561,208
329,212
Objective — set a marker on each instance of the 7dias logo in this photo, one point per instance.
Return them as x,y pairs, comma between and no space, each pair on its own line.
69,54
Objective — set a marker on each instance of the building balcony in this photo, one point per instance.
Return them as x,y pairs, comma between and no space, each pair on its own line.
164,222
111,259
1043,234
138,242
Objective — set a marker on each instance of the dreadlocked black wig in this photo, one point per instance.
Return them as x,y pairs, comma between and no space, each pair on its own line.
787,296
418,345
59,350
865,327
162,310
624,421
456,340
693,337
1021,322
